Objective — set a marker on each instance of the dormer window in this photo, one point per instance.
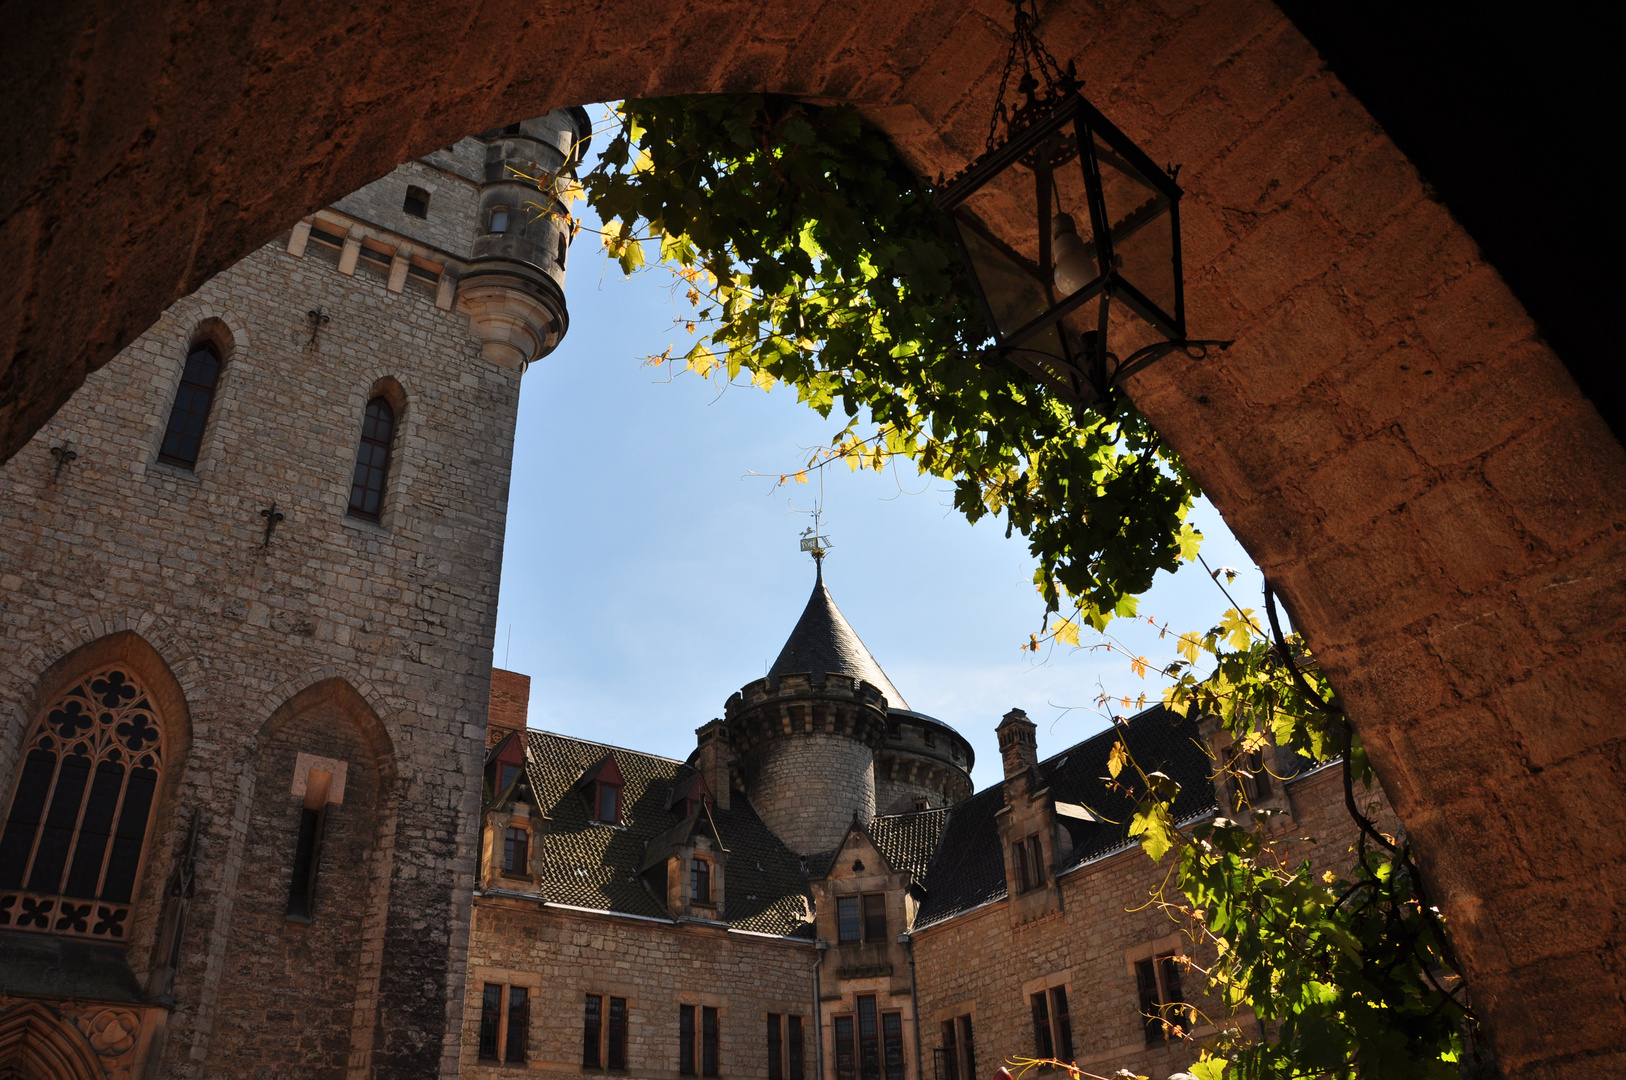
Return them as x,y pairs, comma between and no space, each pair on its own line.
699,881
516,850
499,220
608,803
506,771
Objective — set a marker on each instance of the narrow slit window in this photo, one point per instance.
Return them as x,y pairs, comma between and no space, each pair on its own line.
948,1064
190,413
709,1040
1061,1022
490,1020
308,846
686,1040
592,1031
1043,1046
373,460
796,1049
519,1022
615,1050
499,220
776,1069
968,1048
416,202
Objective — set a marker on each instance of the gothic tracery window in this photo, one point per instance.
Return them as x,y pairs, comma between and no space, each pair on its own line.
77,823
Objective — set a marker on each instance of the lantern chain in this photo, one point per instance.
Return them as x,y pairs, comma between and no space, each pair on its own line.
1025,41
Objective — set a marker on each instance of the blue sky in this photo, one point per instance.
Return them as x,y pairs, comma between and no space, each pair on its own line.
647,574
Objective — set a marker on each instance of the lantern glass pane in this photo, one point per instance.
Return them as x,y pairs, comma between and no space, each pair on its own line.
1009,285
1142,230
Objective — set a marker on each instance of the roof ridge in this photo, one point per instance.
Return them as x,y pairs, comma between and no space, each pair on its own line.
606,746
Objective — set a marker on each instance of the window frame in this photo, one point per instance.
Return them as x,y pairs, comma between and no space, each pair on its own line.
498,1041
492,217
852,905
700,880
1158,987
600,789
776,1047
381,468
516,841
711,1041
874,915
421,196
211,392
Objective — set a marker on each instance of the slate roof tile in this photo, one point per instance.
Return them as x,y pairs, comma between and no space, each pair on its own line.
823,640
593,865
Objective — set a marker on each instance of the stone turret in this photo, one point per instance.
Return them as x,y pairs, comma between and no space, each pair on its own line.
806,735
513,287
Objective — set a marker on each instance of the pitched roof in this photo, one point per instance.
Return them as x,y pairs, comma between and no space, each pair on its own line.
969,867
591,865
823,640
909,840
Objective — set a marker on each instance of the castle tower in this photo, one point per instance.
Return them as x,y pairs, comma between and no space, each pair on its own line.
250,578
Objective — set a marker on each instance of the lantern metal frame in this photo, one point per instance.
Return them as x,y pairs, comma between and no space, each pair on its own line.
1079,366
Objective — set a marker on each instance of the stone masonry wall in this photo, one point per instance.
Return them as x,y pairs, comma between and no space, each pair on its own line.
401,612
562,955
983,964
807,788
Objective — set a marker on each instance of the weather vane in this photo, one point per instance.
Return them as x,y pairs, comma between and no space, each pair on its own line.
814,541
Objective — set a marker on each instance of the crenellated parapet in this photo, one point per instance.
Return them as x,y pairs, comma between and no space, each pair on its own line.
922,764
806,745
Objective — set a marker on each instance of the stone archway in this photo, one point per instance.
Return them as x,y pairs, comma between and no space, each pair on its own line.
1391,438
37,1043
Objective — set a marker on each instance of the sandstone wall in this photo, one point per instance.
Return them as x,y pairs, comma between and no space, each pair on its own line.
807,788
400,613
564,955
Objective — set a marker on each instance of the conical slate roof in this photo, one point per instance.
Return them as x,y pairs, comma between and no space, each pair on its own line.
824,641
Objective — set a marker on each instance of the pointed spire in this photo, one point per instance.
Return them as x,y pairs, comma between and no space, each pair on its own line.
824,641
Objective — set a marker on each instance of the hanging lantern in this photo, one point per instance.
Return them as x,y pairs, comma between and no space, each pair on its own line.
1108,226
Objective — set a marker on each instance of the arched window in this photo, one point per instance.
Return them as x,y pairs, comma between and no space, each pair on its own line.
373,460
77,823
190,412
416,202
499,219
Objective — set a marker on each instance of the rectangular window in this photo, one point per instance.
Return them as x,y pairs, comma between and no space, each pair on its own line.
875,917
519,1022
892,1045
869,1040
1043,1046
844,1048
796,1050
609,803
592,1031
948,1065
1036,861
708,1041
616,1051
516,850
1061,1022
1024,877
776,1048
1158,981
848,926
968,1049
686,1040
700,881
490,1020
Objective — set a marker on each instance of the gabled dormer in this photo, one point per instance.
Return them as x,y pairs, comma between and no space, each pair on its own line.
689,795
513,825
1250,779
601,787
861,907
686,865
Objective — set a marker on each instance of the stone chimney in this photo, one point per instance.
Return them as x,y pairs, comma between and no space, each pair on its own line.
1018,743
510,701
712,760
